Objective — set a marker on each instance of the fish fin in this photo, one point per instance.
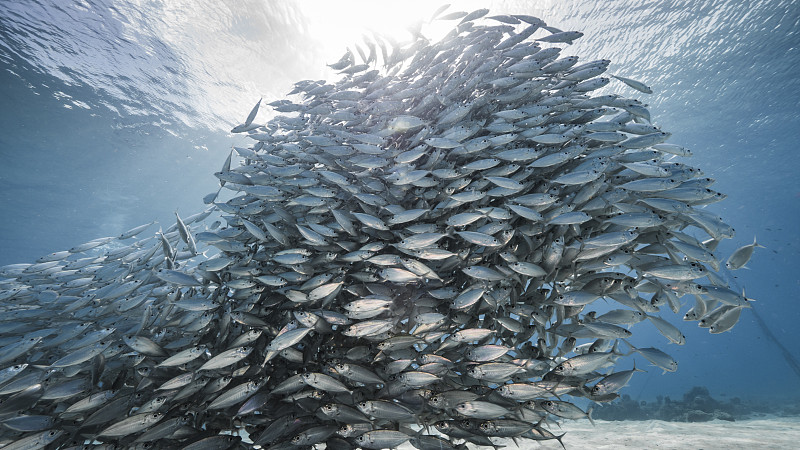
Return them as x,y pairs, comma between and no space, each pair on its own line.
518,410
632,348
615,349
746,298
589,416
558,438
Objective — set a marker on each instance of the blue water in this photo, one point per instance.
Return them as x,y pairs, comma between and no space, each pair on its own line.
116,113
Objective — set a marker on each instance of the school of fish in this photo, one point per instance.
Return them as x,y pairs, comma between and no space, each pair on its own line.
412,253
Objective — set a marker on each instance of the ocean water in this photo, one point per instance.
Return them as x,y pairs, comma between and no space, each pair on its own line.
117,113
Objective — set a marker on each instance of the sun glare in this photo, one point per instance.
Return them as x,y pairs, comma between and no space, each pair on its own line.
338,25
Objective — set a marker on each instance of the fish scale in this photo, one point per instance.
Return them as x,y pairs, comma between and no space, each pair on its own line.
458,203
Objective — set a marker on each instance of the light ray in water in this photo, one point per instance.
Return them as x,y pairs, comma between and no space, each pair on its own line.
788,356
337,25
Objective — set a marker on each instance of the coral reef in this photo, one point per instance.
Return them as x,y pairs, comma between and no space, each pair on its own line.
697,405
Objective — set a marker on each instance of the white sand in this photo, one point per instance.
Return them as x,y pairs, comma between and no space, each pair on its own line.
764,433
767,433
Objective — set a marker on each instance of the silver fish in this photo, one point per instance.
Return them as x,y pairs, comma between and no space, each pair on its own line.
441,215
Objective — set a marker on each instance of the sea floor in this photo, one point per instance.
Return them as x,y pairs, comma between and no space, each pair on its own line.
760,433
763,433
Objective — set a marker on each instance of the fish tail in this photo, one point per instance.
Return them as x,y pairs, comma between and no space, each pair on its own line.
632,348
558,438
747,299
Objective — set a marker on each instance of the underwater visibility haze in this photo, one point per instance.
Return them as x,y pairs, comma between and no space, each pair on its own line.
117,114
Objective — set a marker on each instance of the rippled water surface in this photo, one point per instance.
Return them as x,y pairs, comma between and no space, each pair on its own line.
115,113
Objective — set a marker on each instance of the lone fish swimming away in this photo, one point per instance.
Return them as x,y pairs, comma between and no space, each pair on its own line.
434,226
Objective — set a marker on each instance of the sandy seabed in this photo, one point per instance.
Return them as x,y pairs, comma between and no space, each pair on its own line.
766,433
762,433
